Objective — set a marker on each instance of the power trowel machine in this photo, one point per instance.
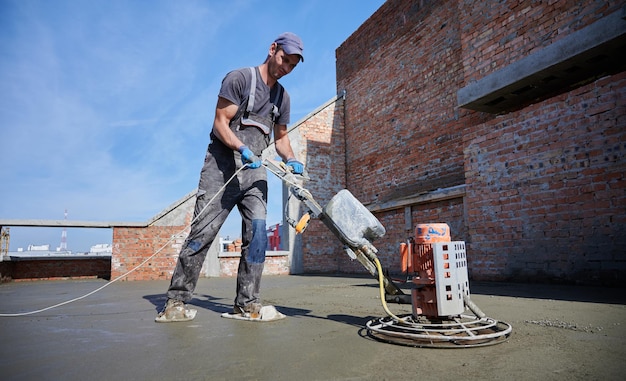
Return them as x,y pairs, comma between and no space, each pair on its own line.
434,269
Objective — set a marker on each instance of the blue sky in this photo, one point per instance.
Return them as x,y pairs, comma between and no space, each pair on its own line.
106,106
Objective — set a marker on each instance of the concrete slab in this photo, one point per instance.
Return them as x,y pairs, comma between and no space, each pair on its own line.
559,333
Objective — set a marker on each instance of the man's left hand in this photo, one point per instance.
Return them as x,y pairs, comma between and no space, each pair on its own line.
296,166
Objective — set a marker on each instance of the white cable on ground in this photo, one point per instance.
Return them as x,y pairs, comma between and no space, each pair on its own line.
136,267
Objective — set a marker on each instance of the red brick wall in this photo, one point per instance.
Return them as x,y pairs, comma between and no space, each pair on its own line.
401,70
403,131
546,188
323,136
545,185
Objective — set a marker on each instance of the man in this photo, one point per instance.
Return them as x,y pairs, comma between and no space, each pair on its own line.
251,105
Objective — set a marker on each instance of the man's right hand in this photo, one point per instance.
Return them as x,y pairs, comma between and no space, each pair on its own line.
249,158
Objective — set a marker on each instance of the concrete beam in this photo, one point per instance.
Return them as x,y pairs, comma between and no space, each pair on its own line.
584,56
70,224
434,196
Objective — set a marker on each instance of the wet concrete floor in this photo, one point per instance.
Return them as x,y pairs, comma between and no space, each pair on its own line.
559,333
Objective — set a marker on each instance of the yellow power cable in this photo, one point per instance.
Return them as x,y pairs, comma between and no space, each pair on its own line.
382,292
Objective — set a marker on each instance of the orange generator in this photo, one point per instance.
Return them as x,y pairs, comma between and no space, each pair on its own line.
437,267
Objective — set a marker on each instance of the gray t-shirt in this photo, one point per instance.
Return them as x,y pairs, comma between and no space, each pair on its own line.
235,88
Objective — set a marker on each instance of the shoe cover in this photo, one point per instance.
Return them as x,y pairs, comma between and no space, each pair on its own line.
176,314
267,313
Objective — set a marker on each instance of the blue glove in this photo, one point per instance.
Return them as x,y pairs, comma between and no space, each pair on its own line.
249,158
296,166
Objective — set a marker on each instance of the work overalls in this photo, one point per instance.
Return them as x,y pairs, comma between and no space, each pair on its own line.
247,191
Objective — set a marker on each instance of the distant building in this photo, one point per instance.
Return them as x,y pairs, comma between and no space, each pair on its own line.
36,251
38,247
274,240
101,249
226,244
274,237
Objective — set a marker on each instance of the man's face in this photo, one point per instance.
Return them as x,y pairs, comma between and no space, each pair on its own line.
281,64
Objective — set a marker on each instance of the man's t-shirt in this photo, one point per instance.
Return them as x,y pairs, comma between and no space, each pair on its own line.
235,88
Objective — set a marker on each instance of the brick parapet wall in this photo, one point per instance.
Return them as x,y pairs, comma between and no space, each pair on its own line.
133,246
274,265
55,268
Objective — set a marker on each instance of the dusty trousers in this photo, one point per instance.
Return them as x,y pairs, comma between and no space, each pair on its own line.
248,192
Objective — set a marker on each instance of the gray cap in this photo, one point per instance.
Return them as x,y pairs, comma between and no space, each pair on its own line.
291,44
